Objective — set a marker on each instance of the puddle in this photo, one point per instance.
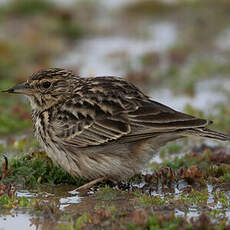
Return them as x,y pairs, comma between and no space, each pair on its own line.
65,202
17,221
70,203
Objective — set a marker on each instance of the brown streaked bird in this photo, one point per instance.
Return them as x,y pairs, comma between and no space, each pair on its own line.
102,127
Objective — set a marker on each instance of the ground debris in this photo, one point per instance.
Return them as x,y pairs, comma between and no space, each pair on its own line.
203,222
139,217
8,189
50,209
220,156
217,154
163,178
191,174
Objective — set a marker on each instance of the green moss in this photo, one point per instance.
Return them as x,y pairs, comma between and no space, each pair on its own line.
184,162
197,198
220,171
216,213
174,148
226,177
35,170
145,200
79,224
15,202
172,224
131,226
159,221
108,193
222,198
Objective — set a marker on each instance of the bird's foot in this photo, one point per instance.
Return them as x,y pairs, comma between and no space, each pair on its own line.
90,184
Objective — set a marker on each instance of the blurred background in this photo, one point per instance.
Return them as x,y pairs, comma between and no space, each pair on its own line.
177,51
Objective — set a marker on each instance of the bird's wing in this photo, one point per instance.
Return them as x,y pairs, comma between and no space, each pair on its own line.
159,117
85,124
108,109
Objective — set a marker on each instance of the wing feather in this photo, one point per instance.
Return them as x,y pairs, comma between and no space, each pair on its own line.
157,116
107,109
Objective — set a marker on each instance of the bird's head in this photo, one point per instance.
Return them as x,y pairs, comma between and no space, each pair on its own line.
45,87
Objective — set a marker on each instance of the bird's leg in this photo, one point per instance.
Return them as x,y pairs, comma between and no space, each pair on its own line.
91,184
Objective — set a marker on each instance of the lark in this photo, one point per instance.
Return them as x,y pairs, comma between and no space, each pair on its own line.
103,127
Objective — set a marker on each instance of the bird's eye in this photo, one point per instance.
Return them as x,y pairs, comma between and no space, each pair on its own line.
46,84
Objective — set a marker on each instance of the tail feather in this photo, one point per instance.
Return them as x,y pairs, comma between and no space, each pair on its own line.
207,133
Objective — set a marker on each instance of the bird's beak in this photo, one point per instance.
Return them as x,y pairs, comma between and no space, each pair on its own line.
19,89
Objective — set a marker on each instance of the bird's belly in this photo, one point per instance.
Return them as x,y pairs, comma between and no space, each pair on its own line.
90,165
94,166
114,161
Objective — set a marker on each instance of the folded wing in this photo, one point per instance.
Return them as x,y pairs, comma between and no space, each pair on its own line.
108,109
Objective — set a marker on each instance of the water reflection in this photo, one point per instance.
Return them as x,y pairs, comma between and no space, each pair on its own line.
18,221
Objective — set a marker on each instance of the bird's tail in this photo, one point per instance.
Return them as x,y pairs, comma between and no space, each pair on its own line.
206,133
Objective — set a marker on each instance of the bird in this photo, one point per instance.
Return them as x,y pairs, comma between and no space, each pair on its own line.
102,127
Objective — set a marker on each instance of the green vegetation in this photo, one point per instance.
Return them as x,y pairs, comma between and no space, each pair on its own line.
13,202
154,222
108,193
145,200
79,224
195,198
36,169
